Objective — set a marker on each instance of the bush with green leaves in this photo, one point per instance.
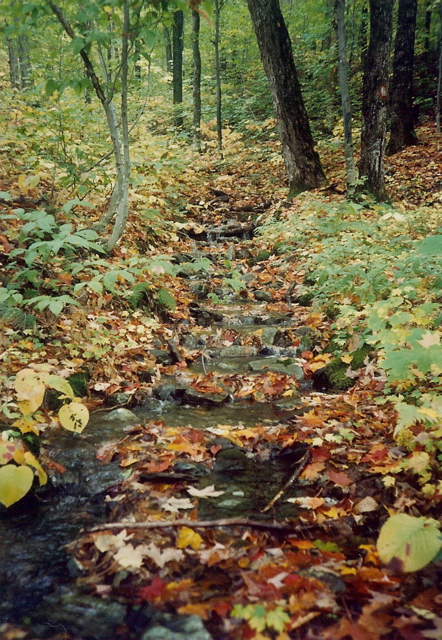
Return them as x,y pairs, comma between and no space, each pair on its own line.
380,269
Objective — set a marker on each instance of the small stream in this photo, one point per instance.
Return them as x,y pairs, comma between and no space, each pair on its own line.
38,579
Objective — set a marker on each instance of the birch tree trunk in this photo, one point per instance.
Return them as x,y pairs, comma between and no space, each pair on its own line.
302,162
375,99
119,204
402,127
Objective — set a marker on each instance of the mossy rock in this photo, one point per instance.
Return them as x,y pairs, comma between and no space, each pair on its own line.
333,376
261,256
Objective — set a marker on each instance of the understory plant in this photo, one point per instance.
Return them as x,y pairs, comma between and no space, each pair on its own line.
19,467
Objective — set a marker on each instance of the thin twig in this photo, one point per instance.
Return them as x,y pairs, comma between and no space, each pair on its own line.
300,466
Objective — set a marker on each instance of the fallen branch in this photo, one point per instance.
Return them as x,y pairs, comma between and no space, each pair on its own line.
206,524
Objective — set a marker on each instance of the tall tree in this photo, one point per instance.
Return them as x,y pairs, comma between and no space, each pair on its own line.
177,56
339,9
301,160
216,43
196,56
375,98
402,126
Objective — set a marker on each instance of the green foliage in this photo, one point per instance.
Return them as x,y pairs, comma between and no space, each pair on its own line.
380,270
260,618
18,465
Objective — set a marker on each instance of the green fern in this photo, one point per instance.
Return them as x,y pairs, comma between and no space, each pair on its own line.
138,294
166,299
17,318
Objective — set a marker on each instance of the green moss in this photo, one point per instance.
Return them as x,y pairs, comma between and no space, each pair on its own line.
335,371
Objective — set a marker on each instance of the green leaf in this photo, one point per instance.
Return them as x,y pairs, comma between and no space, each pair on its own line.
430,246
277,619
414,542
61,385
4,195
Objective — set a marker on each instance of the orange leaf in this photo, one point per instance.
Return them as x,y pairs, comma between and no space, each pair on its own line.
312,470
340,478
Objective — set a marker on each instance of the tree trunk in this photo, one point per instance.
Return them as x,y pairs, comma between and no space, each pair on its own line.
301,160
196,53
119,204
122,209
439,79
219,121
345,97
177,56
402,130
375,99
14,65
427,27
168,45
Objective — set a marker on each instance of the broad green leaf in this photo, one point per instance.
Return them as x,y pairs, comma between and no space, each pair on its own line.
430,246
74,416
412,541
61,385
277,619
15,482
4,195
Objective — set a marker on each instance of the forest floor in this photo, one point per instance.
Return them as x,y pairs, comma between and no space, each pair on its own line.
253,493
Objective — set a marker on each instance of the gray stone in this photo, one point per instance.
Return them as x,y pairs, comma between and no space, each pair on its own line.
182,628
278,365
120,415
237,351
161,355
214,399
264,296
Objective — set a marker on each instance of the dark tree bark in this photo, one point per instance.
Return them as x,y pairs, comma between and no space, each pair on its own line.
339,10
402,126
168,45
196,54
375,99
177,55
301,160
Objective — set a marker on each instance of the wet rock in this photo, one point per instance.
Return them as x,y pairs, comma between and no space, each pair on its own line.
230,460
162,356
181,258
121,415
278,365
82,615
177,628
170,391
199,289
213,399
265,319
270,335
243,253
119,398
237,351
263,296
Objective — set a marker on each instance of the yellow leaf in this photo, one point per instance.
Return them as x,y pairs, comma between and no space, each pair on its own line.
30,389
15,483
429,339
419,461
33,462
188,538
74,416
347,358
